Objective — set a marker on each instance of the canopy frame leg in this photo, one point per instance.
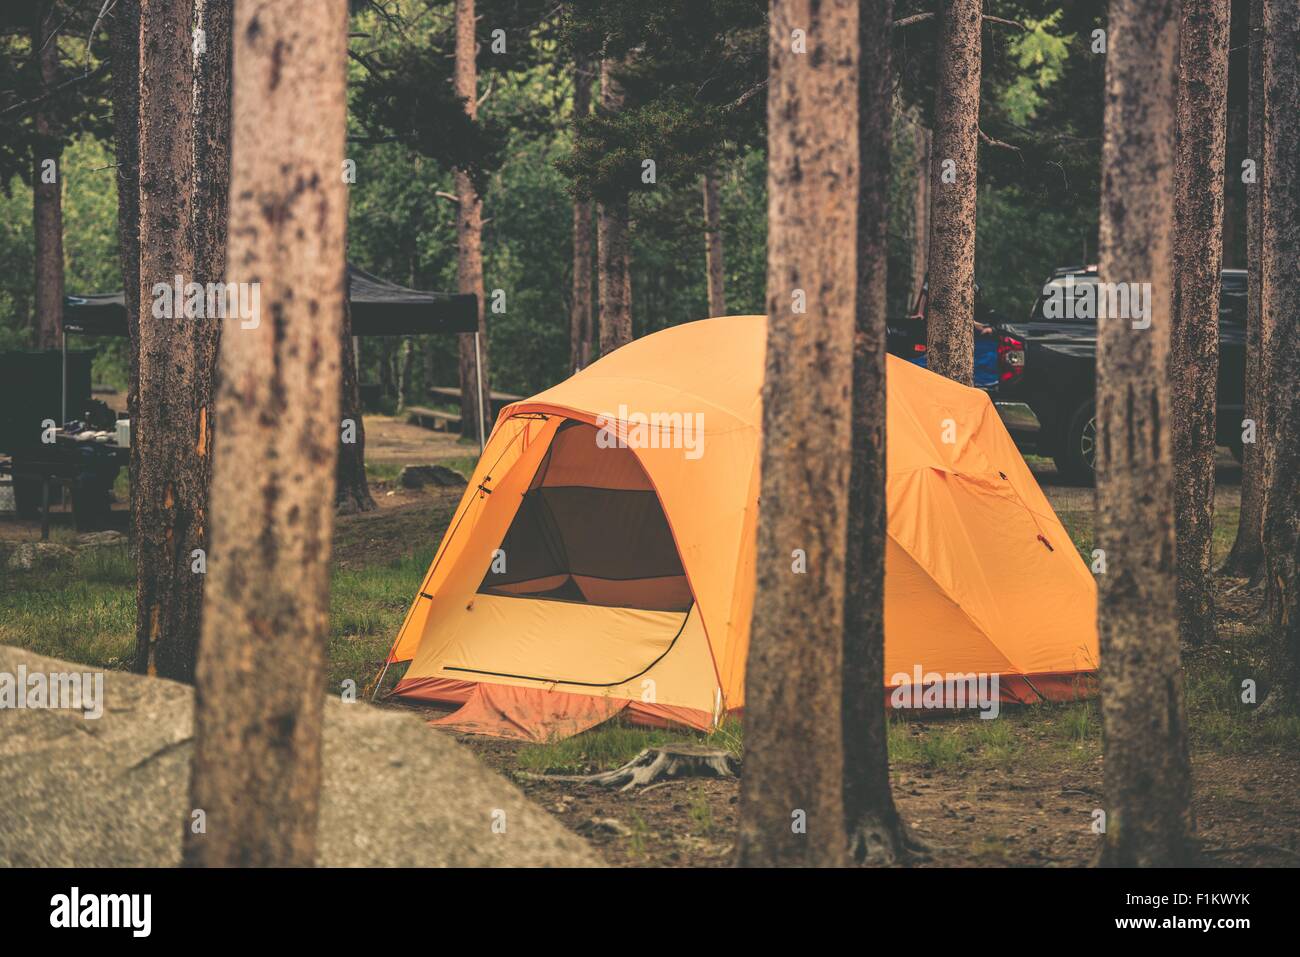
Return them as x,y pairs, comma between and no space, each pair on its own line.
478,375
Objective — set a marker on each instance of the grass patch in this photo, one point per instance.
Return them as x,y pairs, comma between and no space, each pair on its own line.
1218,686
367,607
81,609
1079,523
383,471
464,464
701,814
640,835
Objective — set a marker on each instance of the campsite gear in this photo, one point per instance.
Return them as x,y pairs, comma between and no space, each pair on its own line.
602,560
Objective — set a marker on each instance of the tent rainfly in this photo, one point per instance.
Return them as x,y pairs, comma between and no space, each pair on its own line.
602,560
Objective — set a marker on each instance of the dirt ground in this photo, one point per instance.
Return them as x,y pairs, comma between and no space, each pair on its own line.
394,441
1247,812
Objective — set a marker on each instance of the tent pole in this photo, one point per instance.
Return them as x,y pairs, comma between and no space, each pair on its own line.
478,375
63,344
380,680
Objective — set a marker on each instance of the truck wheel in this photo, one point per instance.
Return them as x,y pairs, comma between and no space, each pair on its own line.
1076,462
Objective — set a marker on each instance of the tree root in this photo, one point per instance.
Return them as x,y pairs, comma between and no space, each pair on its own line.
875,843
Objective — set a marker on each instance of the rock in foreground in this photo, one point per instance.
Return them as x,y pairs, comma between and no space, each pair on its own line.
114,791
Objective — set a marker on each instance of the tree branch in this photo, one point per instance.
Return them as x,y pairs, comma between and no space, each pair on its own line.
929,15
745,97
491,83
53,91
984,137
365,60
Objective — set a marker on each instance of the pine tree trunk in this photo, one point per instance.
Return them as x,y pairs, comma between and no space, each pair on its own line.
949,326
1246,558
177,354
1198,255
580,314
613,244
124,32
713,244
47,188
1281,284
1147,774
210,202
874,831
387,380
791,799
920,207
257,756
351,488
469,241
404,376
1234,151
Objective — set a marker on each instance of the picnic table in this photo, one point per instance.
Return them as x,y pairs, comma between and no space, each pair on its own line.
499,399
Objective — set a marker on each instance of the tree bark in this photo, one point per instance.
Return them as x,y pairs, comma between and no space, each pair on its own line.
1281,284
210,198
1198,256
791,799
387,380
257,756
211,156
580,314
469,241
713,244
124,30
920,207
47,187
404,372
949,326
177,354
1246,558
614,247
875,834
351,488
1147,774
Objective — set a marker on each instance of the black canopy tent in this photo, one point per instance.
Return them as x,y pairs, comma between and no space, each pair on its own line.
379,308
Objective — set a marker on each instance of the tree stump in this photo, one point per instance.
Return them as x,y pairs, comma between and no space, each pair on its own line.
670,761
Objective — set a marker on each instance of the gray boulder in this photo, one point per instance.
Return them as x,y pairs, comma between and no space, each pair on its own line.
105,539
113,791
26,556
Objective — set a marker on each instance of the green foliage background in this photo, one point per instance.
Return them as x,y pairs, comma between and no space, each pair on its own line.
1037,209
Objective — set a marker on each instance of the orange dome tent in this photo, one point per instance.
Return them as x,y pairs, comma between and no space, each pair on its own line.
602,560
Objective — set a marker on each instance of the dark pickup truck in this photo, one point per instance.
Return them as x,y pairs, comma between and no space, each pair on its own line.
1042,373
1047,387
